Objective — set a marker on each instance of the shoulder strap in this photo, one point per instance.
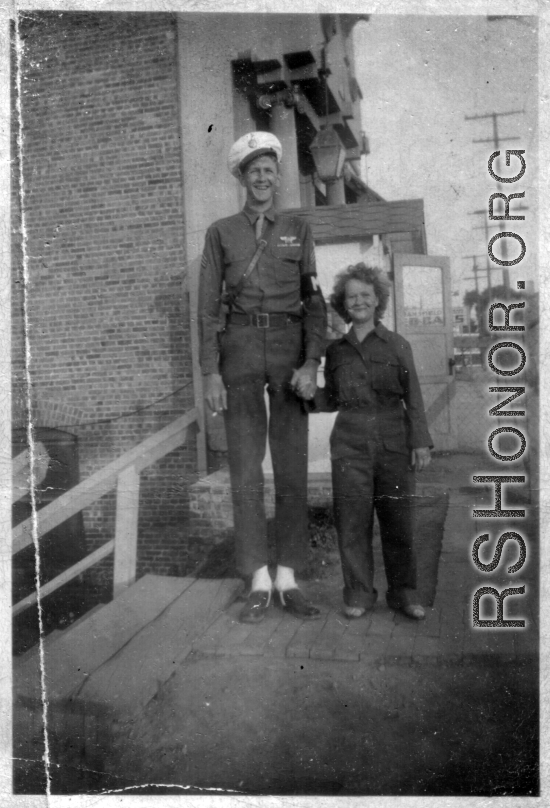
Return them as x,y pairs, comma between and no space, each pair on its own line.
232,296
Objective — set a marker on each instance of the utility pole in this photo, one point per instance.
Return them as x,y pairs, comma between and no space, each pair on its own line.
475,270
488,266
468,310
495,140
486,227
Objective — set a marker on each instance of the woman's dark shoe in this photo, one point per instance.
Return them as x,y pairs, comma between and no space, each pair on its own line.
256,607
295,604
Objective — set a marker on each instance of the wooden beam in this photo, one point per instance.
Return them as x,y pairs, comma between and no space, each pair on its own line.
193,286
193,222
66,576
305,108
126,530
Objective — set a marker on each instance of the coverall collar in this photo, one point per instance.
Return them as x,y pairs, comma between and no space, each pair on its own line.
380,330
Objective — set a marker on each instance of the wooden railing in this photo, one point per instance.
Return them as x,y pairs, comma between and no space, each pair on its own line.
124,474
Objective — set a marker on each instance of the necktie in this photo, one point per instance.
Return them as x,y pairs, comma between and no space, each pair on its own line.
259,226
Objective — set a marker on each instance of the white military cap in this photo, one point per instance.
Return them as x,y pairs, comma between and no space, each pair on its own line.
252,145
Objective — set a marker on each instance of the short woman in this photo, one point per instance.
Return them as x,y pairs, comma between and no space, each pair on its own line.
379,439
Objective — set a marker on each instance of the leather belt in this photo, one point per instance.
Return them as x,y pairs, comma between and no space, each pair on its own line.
365,408
264,319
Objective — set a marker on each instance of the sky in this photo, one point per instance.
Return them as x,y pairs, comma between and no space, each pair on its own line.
420,77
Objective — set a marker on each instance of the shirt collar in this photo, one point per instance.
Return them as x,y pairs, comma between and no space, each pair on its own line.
252,215
379,330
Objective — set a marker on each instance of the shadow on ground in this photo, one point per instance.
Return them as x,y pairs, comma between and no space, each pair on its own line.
313,727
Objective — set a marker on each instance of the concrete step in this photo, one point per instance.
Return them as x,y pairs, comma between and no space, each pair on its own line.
211,508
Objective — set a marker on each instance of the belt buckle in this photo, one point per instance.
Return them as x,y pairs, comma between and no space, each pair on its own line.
262,320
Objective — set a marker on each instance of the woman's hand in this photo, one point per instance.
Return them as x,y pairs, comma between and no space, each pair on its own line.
304,380
421,458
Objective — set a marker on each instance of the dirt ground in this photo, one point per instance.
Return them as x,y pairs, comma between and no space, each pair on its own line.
315,727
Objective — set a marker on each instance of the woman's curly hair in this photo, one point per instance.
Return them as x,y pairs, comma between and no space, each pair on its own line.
365,274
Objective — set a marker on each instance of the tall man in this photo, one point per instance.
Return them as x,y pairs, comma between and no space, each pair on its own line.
272,339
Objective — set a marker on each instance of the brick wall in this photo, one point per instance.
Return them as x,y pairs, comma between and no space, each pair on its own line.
109,319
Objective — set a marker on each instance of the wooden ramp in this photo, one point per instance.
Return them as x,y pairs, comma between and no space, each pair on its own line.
119,655
105,667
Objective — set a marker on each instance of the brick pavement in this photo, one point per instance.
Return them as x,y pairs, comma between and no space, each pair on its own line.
446,637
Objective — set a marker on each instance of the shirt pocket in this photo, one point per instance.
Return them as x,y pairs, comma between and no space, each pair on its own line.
285,254
397,442
238,254
349,380
386,376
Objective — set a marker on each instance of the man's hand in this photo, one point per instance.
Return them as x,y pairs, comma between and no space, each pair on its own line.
215,393
304,380
421,458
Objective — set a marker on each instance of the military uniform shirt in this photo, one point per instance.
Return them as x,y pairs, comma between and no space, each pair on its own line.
275,286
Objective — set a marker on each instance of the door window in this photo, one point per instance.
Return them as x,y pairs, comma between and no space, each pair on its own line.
423,295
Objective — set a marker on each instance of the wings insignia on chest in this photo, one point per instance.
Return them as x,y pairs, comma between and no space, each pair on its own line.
289,241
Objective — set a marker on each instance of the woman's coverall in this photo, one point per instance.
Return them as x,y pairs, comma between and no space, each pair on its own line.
374,386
